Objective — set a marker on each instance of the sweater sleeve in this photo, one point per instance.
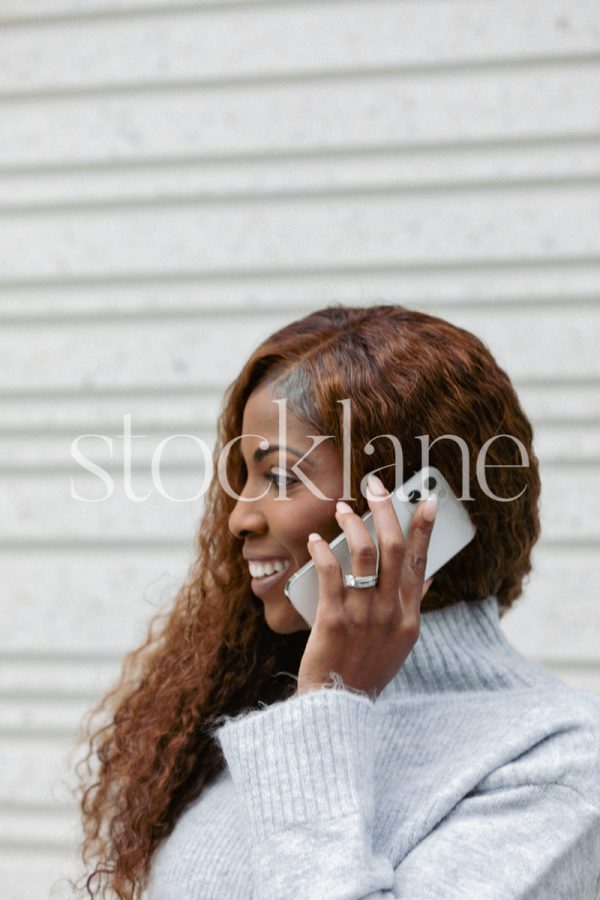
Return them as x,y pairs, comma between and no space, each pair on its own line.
303,771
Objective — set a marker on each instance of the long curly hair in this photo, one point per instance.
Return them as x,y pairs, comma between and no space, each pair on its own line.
211,653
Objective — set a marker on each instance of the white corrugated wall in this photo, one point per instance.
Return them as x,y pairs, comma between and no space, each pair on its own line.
179,179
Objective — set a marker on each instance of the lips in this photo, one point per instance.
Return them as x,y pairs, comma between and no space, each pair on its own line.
264,583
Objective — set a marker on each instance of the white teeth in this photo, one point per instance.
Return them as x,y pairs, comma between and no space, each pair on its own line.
258,570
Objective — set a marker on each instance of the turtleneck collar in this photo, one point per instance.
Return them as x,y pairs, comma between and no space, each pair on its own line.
462,647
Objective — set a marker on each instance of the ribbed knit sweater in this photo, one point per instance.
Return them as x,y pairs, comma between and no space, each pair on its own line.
475,774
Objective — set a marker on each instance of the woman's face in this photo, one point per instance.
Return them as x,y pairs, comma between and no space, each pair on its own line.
275,528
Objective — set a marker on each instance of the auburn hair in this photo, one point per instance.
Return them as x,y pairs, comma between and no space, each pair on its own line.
211,653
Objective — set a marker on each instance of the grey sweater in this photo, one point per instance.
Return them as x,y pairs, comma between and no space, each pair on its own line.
475,774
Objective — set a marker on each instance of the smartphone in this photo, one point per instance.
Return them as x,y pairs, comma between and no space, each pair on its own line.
452,530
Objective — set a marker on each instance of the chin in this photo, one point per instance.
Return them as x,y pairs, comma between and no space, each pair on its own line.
284,621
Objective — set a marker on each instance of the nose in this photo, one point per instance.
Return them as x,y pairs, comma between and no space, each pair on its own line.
246,518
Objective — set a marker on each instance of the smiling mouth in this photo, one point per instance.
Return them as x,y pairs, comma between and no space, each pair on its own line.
260,583
256,568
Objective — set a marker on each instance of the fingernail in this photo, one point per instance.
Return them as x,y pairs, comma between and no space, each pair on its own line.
342,507
376,485
430,508
313,536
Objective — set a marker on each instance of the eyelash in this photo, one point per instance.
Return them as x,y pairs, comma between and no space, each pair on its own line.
275,478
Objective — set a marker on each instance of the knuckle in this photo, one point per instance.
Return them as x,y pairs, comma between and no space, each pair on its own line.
333,621
386,617
365,552
416,563
329,568
411,626
394,548
358,619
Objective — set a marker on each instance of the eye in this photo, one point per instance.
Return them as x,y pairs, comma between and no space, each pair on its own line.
276,478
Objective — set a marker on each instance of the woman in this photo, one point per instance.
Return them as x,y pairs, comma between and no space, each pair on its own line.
399,748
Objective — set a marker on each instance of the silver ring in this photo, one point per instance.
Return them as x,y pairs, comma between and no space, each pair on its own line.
361,581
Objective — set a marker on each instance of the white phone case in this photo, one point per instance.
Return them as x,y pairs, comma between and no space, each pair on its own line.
452,530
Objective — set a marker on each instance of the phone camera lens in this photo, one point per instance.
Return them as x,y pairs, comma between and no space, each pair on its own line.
414,496
430,483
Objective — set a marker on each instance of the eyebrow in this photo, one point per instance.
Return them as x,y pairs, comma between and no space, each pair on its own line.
260,454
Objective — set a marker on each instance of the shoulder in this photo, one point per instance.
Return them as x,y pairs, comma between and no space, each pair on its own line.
536,734
562,727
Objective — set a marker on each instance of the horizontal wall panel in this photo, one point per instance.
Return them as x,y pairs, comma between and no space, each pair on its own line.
54,826
566,513
167,510
582,678
29,872
80,413
557,619
38,770
484,226
434,286
561,402
286,39
387,109
37,12
60,716
552,445
188,449
571,444
497,166
117,354
94,601
44,673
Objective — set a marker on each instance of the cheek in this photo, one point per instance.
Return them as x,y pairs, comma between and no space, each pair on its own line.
319,517
292,520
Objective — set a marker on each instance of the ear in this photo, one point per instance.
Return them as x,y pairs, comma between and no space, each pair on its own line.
426,586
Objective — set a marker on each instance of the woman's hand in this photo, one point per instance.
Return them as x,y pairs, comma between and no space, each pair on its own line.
365,634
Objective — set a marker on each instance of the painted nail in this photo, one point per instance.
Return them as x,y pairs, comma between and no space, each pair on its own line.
313,536
342,507
430,508
376,485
